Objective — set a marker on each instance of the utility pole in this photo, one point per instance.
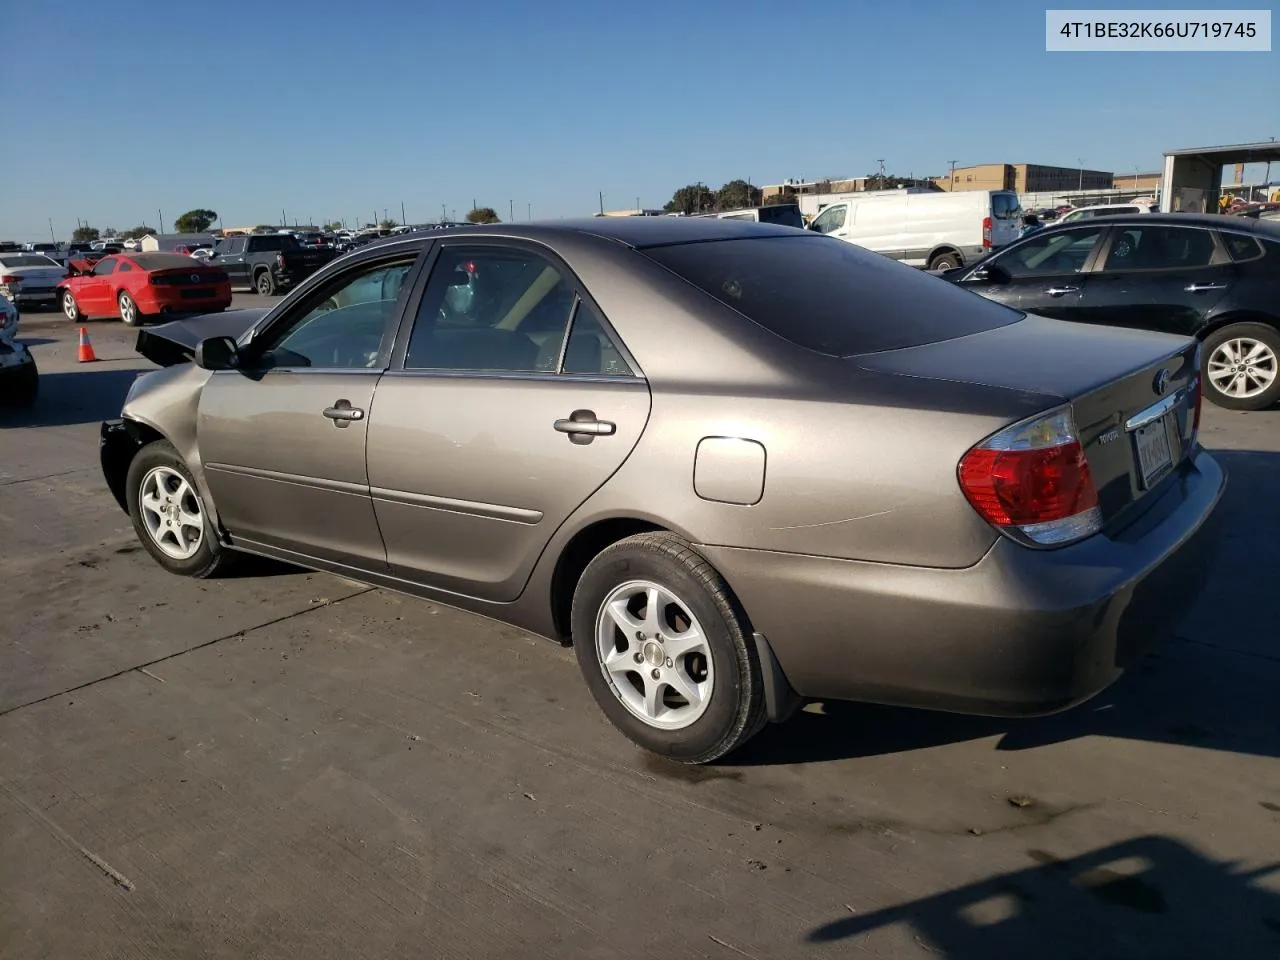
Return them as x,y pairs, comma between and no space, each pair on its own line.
1080,181
951,182
161,212
402,219
637,204
511,206
52,238
530,206
602,203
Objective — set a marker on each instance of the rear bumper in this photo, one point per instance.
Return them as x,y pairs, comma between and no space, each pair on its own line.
1021,632
172,301
15,359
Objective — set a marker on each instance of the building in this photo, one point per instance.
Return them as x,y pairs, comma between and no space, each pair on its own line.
1024,178
168,242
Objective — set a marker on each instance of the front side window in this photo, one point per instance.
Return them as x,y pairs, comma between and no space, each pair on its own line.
1159,247
104,266
830,219
491,309
342,325
1045,254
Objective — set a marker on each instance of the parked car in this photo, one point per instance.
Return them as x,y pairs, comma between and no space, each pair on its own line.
1105,210
964,507
135,286
935,230
268,263
30,279
19,378
780,214
1201,275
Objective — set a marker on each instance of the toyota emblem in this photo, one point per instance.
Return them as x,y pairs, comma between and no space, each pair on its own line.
1162,381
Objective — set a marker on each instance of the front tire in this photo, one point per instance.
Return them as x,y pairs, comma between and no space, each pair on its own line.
169,516
1242,366
129,312
71,309
666,650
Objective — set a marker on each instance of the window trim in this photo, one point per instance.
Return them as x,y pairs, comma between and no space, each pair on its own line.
306,300
1221,255
409,316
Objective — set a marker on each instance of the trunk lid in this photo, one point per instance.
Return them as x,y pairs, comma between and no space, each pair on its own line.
198,275
175,342
1131,393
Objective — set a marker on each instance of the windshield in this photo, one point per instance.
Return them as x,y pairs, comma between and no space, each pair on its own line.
830,296
26,260
1005,206
783,214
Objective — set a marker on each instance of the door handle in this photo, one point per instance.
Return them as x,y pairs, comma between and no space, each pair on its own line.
1202,287
342,413
582,426
1059,291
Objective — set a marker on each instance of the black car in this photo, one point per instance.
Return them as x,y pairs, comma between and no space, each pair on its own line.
1212,277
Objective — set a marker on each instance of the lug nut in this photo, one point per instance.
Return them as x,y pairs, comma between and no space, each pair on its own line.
670,663
655,673
639,657
640,636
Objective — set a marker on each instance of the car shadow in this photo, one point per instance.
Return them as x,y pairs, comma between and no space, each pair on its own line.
36,341
1213,685
72,397
1149,897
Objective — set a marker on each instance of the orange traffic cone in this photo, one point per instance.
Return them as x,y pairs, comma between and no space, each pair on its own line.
86,348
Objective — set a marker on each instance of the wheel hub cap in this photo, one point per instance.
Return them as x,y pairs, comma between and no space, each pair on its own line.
654,655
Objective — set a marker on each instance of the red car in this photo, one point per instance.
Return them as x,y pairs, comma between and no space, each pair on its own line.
133,286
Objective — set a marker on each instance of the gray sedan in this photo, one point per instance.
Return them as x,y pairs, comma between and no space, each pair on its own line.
737,466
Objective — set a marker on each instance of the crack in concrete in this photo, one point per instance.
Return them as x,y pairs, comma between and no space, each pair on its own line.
48,476
141,667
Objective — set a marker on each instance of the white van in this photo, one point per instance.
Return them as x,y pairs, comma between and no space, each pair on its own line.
932,229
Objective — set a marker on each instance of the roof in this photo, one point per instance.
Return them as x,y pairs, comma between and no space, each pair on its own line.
638,232
1215,220
1265,152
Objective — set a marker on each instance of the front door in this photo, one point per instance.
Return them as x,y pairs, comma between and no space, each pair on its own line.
512,404
93,294
283,438
1158,277
1043,274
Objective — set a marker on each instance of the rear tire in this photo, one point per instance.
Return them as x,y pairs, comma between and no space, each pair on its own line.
130,315
1241,366
639,657
164,504
944,261
265,283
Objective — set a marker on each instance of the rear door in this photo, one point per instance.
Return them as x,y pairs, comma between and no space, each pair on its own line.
231,258
283,438
1006,218
1043,273
510,402
1158,277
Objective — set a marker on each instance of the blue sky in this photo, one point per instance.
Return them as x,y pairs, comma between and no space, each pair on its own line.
332,110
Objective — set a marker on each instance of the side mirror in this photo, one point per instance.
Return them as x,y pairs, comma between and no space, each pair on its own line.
217,353
992,273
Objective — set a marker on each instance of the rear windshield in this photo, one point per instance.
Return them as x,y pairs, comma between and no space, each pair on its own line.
830,296
163,261
783,214
1005,206
27,260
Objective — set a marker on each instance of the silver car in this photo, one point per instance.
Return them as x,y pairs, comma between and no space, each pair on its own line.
737,466
30,279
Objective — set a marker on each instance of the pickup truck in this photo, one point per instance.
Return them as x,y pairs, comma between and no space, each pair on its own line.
267,263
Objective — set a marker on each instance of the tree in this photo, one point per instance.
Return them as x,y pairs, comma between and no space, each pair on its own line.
333,225
737,194
85,234
133,233
388,224
483,215
694,198
109,232
195,221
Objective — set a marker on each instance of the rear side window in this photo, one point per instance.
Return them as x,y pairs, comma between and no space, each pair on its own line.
782,214
1241,247
830,296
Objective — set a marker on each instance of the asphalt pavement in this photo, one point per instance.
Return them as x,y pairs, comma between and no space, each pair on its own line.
288,764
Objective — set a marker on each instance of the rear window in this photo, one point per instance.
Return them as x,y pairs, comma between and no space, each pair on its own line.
830,296
27,260
1005,206
163,261
783,214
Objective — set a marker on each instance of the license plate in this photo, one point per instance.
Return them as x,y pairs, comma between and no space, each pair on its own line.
1155,456
190,294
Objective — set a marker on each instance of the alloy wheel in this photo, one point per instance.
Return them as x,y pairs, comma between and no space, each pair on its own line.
1242,368
172,512
654,655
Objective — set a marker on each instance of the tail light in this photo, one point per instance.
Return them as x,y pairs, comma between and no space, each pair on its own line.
986,232
1032,481
279,259
10,278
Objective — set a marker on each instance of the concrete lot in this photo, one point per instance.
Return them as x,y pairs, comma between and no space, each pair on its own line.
292,765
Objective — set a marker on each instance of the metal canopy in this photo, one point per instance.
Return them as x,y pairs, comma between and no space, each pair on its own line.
1268,152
